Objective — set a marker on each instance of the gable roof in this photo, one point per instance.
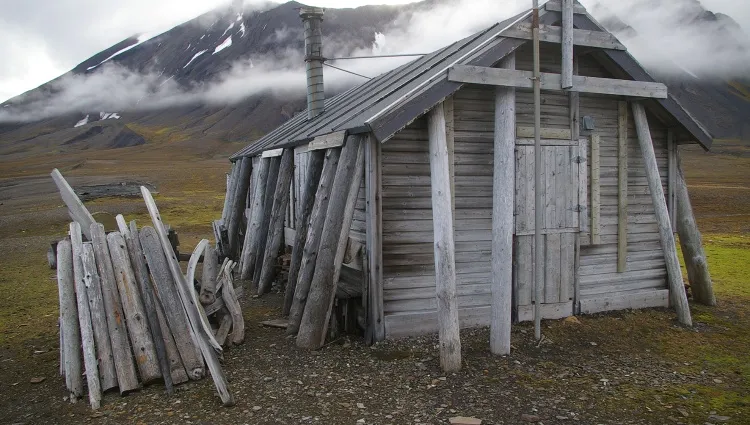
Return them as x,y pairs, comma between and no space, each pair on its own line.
389,102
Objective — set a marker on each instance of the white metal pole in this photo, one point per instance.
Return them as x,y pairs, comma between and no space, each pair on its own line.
538,206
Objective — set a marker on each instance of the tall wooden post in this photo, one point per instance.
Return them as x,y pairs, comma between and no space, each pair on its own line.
676,288
273,175
72,364
238,205
276,223
338,218
314,169
567,44
249,250
691,243
504,178
445,254
374,221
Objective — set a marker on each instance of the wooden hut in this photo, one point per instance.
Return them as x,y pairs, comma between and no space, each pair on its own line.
418,186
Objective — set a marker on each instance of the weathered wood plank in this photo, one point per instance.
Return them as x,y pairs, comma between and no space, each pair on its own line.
622,301
312,178
568,37
327,141
553,34
622,185
237,207
232,304
84,319
595,190
249,249
135,315
312,329
276,222
374,243
69,329
205,342
445,263
176,368
557,134
169,299
76,209
523,79
676,287
312,242
126,375
107,373
209,275
556,6
503,205
273,175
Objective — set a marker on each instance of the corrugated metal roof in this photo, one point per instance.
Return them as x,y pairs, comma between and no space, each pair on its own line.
389,102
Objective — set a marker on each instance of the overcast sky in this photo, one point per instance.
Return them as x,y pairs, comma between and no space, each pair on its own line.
42,39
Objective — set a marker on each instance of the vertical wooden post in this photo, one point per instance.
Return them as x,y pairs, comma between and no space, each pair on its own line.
374,235
445,255
209,276
691,242
107,372
84,319
338,218
672,179
315,229
450,141
71,357
238,205
126,376
135,314
503,189
622,186
312,178
249,249
677,290
596,224
276,222
567,44
273,175
231,180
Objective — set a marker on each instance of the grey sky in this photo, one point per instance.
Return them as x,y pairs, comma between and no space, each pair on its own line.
42,39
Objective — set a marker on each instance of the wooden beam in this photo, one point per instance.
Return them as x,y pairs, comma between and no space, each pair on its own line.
231,182
339,213
523,79
272,153
312,242
556,6
672,178
503,183
265,222
237,207
445,255
622,186
692,243
596,219
84,319
276,222
676,288
76,209
450,139
69,328
553,34
209,276
374,236
566,72
312,178
526,132
327,141
249,247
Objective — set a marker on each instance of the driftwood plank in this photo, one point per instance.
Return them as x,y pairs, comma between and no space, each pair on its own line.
312,243
276,223
230,299
127,380
273,175
237,207
208,280
312,328
107,372
138,261
84,319
312,178
169,298
224,326
249,248
71,333
176,368
189,304
76,209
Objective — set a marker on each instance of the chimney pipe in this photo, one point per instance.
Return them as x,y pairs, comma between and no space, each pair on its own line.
312,18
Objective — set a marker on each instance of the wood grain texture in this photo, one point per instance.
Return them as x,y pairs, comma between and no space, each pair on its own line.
273,175
622,186
71,332
374,243
249,248
76,209
237,207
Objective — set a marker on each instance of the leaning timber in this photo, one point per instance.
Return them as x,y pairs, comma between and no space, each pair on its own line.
127,379
276,223
314,321
176,368
71,333
692,244
107,372
674,274
169,299
314,169
312,242
273,175
237,207
84,319
249,248
76,210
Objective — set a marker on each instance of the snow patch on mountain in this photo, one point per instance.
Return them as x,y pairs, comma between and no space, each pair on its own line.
82,122
224,44
228,29
141,39
242,29
194,57
109,116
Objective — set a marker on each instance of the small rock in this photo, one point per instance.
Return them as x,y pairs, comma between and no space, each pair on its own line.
37,380
463,420
593,343
683,412
360,421
718,418
360,405
530,418
561,418
718,381
572,320
256,408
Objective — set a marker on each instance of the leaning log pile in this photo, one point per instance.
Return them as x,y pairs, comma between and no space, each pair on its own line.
130,317
258,191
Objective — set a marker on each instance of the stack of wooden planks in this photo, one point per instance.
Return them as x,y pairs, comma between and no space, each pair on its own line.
128,314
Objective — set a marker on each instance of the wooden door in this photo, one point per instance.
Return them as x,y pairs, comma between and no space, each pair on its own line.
561,180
